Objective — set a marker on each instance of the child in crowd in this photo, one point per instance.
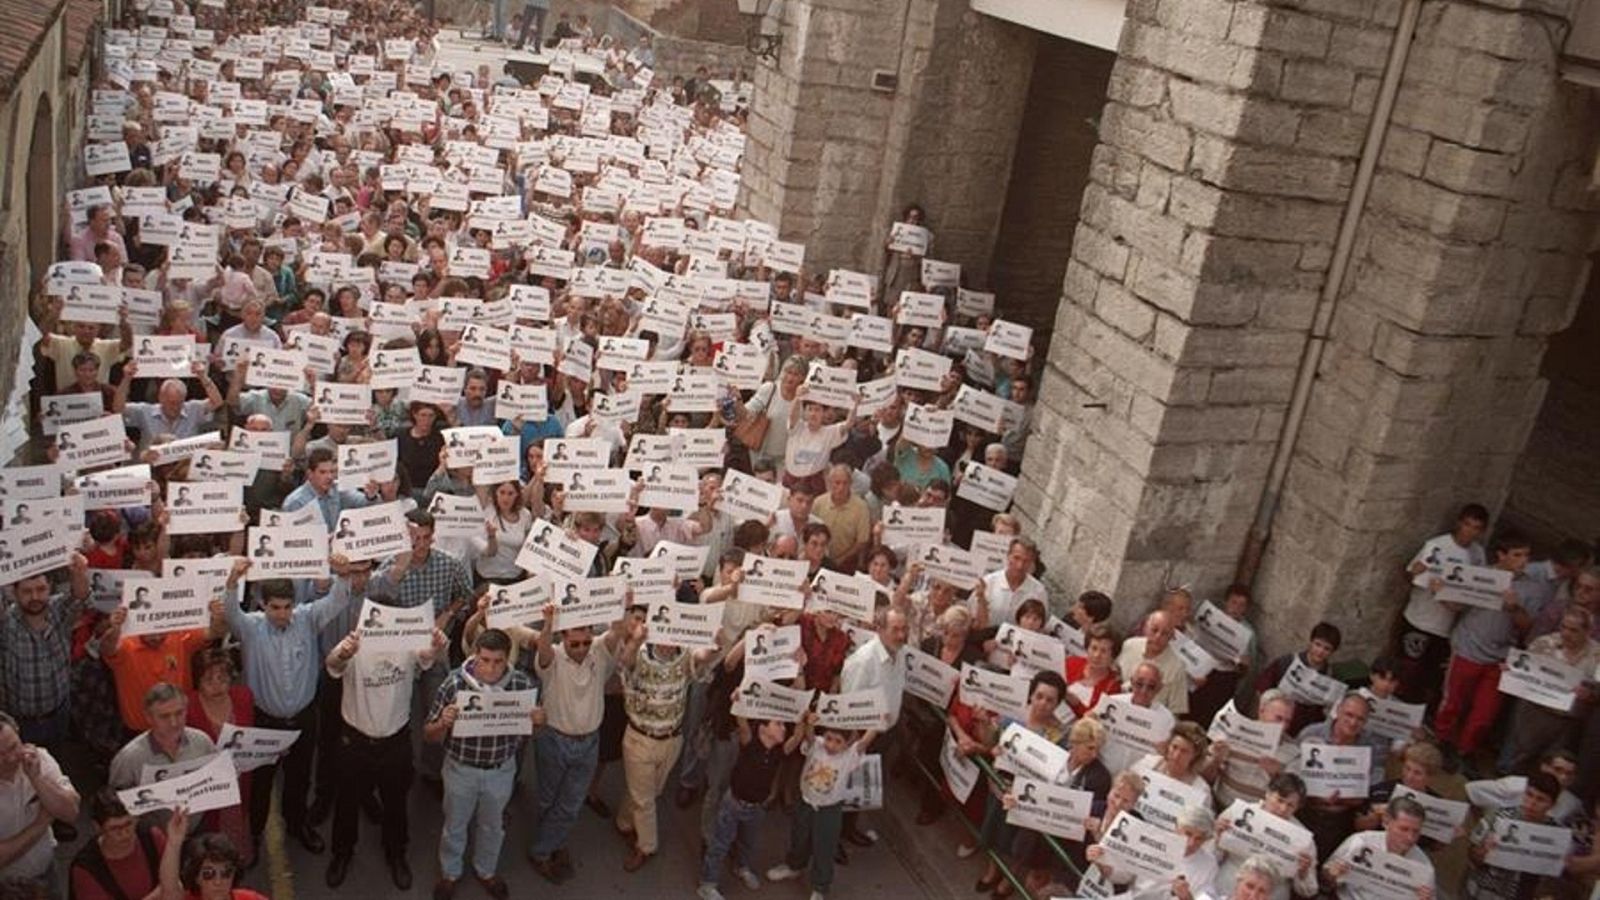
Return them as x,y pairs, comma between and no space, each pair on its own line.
762,751
819,817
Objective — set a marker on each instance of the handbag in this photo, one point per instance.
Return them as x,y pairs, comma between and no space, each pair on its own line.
752,430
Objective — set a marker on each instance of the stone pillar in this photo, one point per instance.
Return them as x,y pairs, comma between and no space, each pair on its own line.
831,160
1471,255
1228,150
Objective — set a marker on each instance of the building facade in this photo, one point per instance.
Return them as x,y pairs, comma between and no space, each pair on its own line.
1295,266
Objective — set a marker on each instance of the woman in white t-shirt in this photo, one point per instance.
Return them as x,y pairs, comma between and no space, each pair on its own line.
507,527
810,442
774,399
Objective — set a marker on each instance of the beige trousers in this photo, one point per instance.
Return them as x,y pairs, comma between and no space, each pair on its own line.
646,762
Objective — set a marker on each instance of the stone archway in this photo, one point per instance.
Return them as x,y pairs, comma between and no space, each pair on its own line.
42,197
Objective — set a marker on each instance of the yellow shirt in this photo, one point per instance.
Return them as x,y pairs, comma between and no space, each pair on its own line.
849,525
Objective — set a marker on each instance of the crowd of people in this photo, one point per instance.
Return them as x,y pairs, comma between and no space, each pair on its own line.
399,423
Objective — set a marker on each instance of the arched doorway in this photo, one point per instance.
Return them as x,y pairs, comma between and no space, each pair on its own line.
43,200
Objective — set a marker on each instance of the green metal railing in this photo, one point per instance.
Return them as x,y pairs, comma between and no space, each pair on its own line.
997,787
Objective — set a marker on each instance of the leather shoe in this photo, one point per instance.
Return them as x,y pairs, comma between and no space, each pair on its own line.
400,871
338,868
310,839
635,859
495,886
444,889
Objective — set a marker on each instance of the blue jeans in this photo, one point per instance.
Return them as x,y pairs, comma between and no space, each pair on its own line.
719,771
474,794
499,19
815,835
735,819
566,766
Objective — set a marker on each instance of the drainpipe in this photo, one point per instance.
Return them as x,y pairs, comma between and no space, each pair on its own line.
1328,301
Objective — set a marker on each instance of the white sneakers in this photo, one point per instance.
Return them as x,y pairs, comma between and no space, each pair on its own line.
965,850
818,895
748,877
709,892
782,872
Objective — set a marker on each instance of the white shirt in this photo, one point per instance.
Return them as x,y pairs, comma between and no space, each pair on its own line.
1497,793
574,693
376,691
19,805
806,452
1003,601
1423,610
1199,869
823,779
1377,840
870,666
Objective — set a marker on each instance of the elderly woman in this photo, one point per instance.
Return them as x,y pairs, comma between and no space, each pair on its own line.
1420,761
1180,760
1126,790
1195,873
1244,776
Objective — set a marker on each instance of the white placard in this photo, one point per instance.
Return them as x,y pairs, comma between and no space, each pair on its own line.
997,692
1480,586
519,604
1442,817
772,582
852,596
287,552
1050,808
1542,680
587,602
159,605
372,532
1141,848
1304,684
1245,736
1027,753
393,629
960,773
929,677
1336,771
205,507
95,442
855,711
1394,719
770,700
214,785
987,487
1252,831
253,748
27,550
547,547
769,653
1529,847
692,626
494,713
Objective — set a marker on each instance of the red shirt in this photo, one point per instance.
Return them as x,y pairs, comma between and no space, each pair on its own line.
824,655
132,873
1076,667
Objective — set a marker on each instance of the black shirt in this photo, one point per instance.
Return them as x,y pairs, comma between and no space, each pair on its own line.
755,771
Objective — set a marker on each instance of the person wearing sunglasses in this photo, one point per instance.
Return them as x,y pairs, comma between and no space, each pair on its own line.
207,868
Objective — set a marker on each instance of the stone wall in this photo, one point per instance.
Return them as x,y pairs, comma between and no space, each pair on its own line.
832,160
1468,260
1048,176
1228,148
53,78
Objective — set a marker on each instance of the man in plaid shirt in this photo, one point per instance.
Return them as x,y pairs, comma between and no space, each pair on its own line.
426,576
35,651
479,772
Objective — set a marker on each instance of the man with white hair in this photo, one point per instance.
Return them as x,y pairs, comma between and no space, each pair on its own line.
173,414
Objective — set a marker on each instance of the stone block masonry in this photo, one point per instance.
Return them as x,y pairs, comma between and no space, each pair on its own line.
1228,147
